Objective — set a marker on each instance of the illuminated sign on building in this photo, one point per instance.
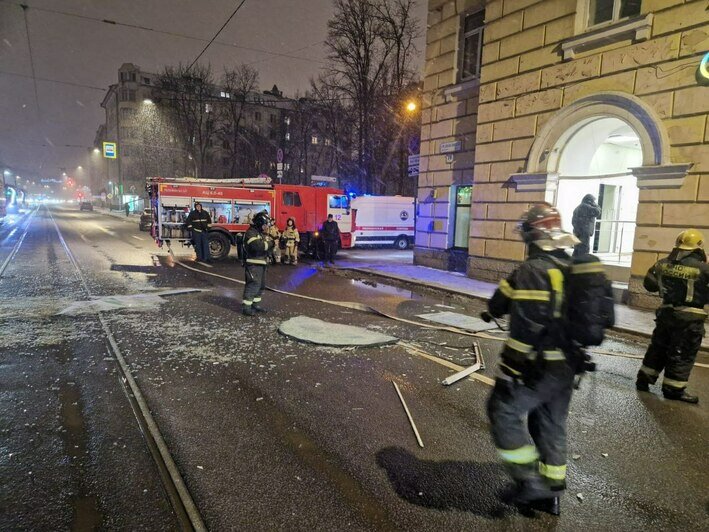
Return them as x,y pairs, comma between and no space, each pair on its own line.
703,73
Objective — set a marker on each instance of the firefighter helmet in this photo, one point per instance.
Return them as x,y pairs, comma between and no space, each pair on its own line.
260,219
541,225
689,240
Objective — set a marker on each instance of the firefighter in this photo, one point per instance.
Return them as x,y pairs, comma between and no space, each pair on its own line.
331,236
257,246
682,279
275,235
584,223
533,389
199,223
292,240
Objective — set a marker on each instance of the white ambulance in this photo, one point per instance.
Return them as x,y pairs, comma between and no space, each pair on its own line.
383,220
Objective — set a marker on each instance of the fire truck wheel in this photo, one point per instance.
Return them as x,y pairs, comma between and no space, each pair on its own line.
219,246
401,243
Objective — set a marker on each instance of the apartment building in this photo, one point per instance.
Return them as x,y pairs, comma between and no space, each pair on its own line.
549,100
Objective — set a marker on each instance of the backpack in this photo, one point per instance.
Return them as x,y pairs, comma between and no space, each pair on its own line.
589,301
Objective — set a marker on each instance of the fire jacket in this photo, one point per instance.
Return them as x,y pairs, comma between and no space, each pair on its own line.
330,231
682,279
533,296
291,236
199,221
257,246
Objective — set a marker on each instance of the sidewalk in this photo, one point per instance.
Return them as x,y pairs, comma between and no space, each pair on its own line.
118,214
627,320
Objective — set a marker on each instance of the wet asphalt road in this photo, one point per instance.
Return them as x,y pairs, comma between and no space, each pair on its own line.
272,434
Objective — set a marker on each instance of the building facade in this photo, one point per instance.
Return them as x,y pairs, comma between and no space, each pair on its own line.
148,146
574,97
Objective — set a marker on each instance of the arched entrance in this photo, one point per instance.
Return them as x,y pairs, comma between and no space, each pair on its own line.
596,156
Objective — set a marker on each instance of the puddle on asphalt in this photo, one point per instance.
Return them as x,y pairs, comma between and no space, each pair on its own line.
86,513
384,289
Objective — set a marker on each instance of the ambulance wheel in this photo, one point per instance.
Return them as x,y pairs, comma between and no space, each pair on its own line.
401,243
219,246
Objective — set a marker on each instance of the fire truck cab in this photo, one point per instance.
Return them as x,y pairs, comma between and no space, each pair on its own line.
233,202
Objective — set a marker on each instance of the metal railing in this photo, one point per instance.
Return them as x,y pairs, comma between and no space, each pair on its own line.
613,240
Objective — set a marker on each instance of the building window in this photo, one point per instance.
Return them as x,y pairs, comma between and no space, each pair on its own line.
287,136
127,95
313,139
472,45
225,94
146,81
287,121
328,142
127,113
272,119
463,197
208,108
127,76
609,11
257,116
225,145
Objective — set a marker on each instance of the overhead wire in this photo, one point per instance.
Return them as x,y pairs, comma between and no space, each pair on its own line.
170,33
217,34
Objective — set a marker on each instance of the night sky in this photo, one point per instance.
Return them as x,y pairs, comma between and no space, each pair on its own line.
86,52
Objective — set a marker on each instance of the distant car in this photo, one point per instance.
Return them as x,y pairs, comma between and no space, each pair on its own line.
146,220
86,206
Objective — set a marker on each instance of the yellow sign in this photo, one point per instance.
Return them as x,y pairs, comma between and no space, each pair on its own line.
109,150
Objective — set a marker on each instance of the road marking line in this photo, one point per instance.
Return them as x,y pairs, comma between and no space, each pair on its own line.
108,231
84,238
136,237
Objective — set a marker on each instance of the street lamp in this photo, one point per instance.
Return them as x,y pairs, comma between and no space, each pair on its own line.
79,167
148,101
97,151
411,106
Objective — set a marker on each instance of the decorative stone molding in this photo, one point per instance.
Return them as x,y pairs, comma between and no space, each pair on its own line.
535,182
462,90
663,176
636,28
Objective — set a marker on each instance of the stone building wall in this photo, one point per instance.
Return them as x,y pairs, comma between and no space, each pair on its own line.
525,83
449,113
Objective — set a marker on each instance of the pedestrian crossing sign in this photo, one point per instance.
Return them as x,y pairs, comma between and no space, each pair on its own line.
109,150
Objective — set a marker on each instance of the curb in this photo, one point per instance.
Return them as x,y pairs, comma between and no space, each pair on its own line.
436,286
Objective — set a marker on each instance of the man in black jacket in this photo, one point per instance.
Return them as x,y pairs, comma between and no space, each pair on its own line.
331,237
199,223
682,279
584,223
532,392
257,247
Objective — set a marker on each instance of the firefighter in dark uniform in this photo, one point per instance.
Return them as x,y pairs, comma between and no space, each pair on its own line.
199,222
682,279
530,402
257,247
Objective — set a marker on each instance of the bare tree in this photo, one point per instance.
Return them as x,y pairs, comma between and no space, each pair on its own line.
371,45
238,84
188,96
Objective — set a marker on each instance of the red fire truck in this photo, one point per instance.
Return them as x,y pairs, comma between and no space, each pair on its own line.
233,202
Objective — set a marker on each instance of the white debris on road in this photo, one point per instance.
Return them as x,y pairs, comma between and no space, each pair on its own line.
133,302
462,321
320,332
